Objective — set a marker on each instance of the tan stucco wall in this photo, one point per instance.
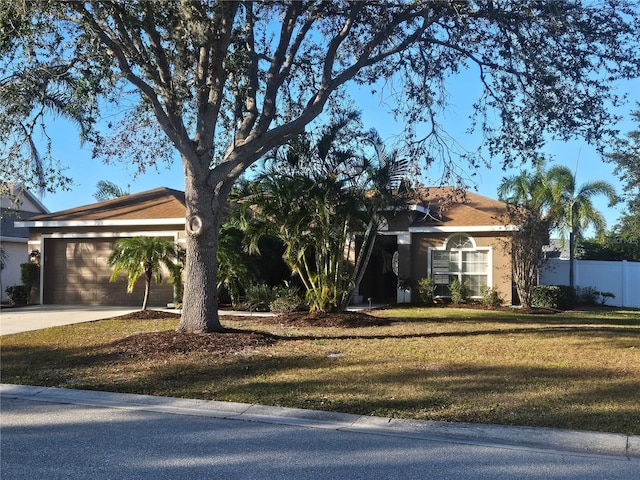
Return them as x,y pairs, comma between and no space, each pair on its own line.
417,266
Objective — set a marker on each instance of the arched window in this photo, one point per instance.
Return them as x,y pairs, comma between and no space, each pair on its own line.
460,257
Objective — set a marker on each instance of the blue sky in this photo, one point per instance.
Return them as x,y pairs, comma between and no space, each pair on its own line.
577,155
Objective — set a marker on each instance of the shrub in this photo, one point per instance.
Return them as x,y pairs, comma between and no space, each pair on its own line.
18,294
29,276
426,290
604,296
284,305
287,299
562,297
490,297
591,296
459,291
258,298
587,296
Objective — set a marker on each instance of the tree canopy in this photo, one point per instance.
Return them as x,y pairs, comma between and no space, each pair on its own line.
626,157
223,83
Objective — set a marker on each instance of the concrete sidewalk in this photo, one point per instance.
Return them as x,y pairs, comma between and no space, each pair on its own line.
578,442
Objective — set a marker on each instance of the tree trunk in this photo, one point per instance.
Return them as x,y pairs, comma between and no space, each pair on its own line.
572,247
145,300
204,211
147,288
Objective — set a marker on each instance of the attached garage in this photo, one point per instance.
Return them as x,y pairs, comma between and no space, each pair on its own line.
75,245
76,272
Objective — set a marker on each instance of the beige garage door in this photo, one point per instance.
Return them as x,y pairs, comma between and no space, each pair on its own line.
76,273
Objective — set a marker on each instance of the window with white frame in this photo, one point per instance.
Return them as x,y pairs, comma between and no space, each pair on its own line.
460,258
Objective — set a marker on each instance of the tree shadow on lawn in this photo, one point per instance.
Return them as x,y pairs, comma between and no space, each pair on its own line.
238,366
558,397
19,360
514,316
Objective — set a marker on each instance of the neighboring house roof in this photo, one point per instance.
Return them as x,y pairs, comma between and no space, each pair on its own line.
557,248
17,204
448,209
158,206
19,198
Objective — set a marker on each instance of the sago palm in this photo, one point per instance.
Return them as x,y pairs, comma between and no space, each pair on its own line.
143,256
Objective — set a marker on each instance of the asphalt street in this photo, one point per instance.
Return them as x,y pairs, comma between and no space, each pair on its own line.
60,434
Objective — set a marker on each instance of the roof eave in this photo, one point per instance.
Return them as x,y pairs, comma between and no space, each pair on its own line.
100,223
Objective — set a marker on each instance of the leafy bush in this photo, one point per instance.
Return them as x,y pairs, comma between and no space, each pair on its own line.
591,296
426,290
259,297
29,273
604,296
287,299
562,297
459,291
587,296
18,294
490,297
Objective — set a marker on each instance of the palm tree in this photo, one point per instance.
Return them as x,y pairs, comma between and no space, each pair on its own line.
144,256
548,199
528,208
317,210
572,208
40,91
106,190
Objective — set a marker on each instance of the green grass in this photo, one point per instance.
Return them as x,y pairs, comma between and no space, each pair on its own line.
578,370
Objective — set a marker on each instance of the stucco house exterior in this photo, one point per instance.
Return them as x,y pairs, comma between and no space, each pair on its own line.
443,235
439,235
19,205
76,243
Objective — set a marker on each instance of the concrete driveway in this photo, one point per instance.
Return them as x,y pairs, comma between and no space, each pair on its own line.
36,317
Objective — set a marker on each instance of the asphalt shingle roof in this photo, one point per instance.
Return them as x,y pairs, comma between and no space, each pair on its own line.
446,207
152,204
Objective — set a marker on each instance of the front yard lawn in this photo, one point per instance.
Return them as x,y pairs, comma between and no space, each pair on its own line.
577,370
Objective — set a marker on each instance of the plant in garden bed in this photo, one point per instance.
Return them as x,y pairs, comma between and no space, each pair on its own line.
426,290
459,291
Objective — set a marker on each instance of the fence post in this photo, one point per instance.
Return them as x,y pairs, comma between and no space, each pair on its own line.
625,284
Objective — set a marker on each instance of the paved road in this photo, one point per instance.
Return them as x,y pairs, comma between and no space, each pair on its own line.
65,434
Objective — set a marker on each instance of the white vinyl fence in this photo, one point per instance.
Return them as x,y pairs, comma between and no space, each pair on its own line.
620,278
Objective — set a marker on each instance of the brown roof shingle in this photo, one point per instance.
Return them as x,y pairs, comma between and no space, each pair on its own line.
158,203
447,207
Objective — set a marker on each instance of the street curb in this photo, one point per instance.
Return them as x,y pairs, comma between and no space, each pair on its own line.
569,441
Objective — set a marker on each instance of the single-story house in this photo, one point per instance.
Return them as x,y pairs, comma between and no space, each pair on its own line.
75,244
444,234
439,235
18,204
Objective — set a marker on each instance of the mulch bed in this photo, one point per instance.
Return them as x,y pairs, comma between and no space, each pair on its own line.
148,315
171,342
320,319
156,344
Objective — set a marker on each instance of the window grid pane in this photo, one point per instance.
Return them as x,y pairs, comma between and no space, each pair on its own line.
474,262
471,266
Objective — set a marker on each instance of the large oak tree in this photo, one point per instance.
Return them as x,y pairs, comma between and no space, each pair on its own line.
226,82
